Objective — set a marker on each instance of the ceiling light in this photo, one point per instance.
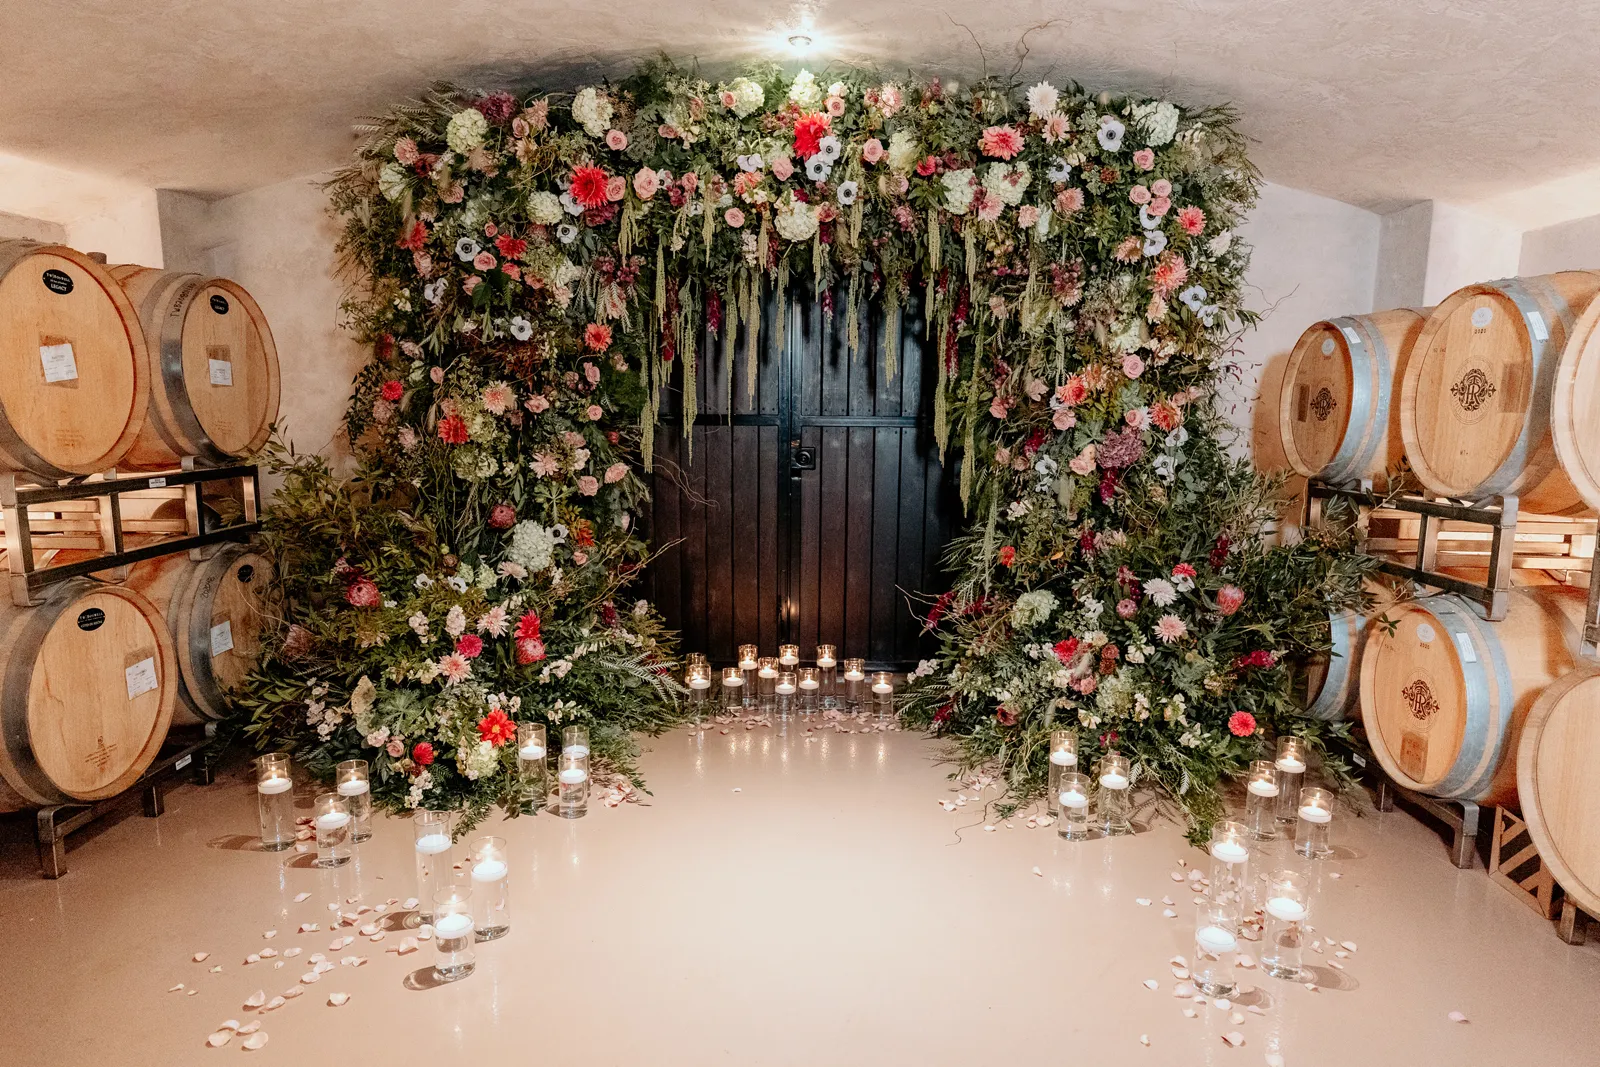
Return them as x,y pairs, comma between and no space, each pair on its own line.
799,42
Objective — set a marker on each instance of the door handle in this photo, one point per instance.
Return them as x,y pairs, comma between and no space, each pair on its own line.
805,459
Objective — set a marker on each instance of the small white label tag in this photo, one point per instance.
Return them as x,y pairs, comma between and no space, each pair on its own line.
158,483
221,372
1482,317
1425,633
1327,346
1358,759
1536,324
1464,643
182,763
59,365
141,677
1350,335
222,638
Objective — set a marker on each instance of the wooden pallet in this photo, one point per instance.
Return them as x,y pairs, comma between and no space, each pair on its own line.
1515,864
1540,542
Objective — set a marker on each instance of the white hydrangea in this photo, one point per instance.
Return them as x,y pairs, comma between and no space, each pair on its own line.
1032,608
747,96
1158,121
1007,181
392,181
805,91
533,546
903,151
478,760
959,187
795,220
466,131
592,111
544,208
419,626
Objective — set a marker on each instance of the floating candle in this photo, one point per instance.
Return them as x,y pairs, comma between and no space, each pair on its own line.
332,820
574,776
786,688
1062,758
809,683
453,925
699,682
531,752
1290,765
1312,813
354,787
854,676
825,662
733,679
1263,788
578,751
275,784
433,844
1073,799
882,687
489,871
1229,851
1287,909
1215,940
1114,781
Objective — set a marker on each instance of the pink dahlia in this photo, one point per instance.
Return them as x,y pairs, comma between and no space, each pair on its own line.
1170,628
597,336
455,668
1069,201
1241,724
1002,142
470,645
1193,220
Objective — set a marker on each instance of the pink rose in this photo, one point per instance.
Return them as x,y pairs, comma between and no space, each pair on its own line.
645,183
616,140
782,168
1139,194
588,485
536,404
1160,206
1132,365
591,373
733,217
835,106
872,151
483,261
472,282
690,182
1083,463
396,747
1064,419
1161,187
616,472
616,188
1136,417
1144,159
727,98
436,374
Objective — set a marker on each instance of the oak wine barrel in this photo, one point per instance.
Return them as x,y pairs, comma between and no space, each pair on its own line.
1444,695
1575,409
74,378
1558,772
215,610
1475,402
87,684
214,381
1333,680
1337,411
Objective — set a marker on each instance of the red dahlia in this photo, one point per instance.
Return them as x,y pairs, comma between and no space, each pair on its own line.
496,728
453,430
809,130
393,390
511,247
528,627
470,645
589,186
422,754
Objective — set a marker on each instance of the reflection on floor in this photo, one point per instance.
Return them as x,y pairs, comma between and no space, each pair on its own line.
784,897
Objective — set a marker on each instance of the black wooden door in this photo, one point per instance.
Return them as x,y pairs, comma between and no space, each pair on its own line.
813,509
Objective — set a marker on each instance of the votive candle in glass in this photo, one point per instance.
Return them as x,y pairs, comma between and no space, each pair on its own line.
1287,909
1216,944
767,682
784,692
575,741
533,757
1072,798
828,674
1261,799
1063,760
855,677
698,680
809,685
1230,856
432,832
490,868
748,654
573,780
1311,831
789,656
331,819
1291,764
1115,808
733,688
355,786
696,659
453,933
883,695
275,801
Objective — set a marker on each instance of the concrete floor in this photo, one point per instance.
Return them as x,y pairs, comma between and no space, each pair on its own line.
798,899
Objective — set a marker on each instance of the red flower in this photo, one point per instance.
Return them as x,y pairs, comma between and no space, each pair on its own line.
1241,724
928,166
414,238
809,130
422,754
589,186
453,430
1183,570
502,516
1260,658
1219,551
942,716
393,390
528,627
496,728
1008,556
1005,716
470,645
597,336
1193,220
1229,599
1066,651
363,593
940,606
529,650
497,107
582,534
511,247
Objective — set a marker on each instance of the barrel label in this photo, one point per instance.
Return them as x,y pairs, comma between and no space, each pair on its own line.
158,483
58,361
1482,317
1464,646
1350,335
1414,755
141,677
1327,346
221,372
91,619
100,757
219,303
1322,404
1541,332
1418,696
1473,390
222,638
57,281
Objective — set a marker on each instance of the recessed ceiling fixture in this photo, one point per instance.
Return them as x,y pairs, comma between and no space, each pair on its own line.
799,42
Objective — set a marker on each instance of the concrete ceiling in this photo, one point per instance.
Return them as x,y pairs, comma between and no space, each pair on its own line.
1375,102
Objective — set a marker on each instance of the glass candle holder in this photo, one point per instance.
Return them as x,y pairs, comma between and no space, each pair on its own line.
275,801
696,659
1287,909
575,740
733,688
1291,764
1261,800
335,833
355,786
698,680
828,675
1230,881
1216,945
809,687
1313,822
789,656
573,782
491,899
1115,808
784,693
855,677
748,654
533,756
767,682
453,933
1072,800
1063,760
883,695
432,832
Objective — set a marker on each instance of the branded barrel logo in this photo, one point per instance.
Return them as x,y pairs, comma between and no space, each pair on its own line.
1473,389
100,757
1420,699
1322,404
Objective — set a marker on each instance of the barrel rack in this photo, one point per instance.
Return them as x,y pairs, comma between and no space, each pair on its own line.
29,583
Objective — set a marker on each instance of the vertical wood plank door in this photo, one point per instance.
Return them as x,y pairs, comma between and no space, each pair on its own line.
815,510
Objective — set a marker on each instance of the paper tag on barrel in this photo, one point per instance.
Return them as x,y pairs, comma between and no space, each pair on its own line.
141,677
222,637
59,364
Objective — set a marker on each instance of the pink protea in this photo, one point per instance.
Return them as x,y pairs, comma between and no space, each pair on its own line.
1229,599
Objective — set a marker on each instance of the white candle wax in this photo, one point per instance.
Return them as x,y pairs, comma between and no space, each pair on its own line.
1071,798
788,661
1290,765
1114,781
825,662
489,871
853,676
433,844
747,665
1311,813
574,776
734,681
1263,788
275,784
809,683
1229,851
1062,758
456,924
332,820
698,682
531,751
575,750
1215,940
767,672
354,787
785,688
882,687
1287,909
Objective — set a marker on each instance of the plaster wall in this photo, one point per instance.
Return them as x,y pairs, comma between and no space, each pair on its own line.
1571,245
89,212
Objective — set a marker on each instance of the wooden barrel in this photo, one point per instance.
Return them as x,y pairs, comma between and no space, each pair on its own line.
1575,408
74,379
1333,681
1444,695
215,610
87,684
214,391
1475,403
1336,413
1558,769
